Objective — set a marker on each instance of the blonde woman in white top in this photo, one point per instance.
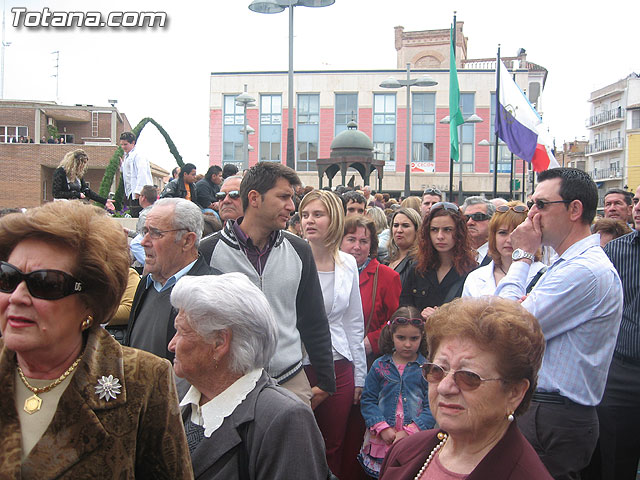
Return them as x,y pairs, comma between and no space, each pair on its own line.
322,220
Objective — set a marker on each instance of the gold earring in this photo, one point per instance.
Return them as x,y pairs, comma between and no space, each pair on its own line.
510,417
87,322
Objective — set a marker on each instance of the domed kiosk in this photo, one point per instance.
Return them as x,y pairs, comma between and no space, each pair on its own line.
350,149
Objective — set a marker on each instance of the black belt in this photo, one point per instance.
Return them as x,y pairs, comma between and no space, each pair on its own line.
625,359
551,397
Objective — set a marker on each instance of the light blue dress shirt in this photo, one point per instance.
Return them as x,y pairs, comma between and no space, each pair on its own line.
578,303
172,280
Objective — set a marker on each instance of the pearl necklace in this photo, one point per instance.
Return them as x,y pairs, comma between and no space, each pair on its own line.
443,439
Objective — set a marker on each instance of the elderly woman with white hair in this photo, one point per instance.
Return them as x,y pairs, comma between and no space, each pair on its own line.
239,422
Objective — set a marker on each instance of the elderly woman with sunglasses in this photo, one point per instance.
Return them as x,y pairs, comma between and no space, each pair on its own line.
484,357
445,257
484,280
74,403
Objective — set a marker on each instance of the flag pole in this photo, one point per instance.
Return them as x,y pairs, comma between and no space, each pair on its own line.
451,156
497,146
511,173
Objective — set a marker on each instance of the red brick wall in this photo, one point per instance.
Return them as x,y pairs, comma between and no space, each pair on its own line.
327,132
215,136
24,168
365,121
253,119
442,141
401,139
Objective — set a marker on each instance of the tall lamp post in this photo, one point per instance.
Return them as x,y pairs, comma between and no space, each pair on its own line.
277,6
245,100
424,81
473,118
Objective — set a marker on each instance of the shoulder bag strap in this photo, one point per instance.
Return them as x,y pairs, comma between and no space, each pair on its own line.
373,300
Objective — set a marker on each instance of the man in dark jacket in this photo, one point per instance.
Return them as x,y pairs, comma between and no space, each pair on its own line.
208,187
172,233
184,186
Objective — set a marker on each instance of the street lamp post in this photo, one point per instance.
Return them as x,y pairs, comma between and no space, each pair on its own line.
277,6
245,100
473,118
424,81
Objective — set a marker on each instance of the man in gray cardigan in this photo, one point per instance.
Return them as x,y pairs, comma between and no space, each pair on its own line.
282,266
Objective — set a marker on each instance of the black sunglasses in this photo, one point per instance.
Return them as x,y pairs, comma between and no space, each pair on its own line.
234,194
477,217
515,208
417,322
44,284
432,191
464,379
540,203
452,207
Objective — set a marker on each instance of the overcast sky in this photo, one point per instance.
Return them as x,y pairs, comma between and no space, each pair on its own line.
163,73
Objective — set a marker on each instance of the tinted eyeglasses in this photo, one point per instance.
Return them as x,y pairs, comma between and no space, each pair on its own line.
233,194
452,207
416,322
44,284
155,234
541,204
432,191
477,217
515,208
464,379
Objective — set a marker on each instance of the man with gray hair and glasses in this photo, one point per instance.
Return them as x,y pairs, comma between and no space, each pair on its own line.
478,211
172,233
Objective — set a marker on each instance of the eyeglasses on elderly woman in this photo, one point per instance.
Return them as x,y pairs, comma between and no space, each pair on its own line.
515,208
464,379
43,284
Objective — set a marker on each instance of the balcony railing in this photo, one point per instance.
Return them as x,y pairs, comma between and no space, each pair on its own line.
604,117
605,173
604,145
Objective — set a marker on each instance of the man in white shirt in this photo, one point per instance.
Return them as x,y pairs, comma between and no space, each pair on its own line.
478,211
578,303
136,173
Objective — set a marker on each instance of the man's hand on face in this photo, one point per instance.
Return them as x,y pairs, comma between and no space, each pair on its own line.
528,235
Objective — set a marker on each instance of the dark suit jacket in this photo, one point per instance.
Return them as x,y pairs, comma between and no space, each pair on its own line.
138,434
281,438
199,268
513,458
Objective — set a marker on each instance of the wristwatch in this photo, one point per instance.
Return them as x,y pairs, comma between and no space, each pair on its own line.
519,254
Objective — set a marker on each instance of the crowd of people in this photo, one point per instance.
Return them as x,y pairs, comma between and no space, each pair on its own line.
319,333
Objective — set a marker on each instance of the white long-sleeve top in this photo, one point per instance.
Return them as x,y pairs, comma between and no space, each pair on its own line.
346,320
136,173
481,281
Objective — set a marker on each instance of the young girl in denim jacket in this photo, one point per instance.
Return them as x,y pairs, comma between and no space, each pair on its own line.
394,401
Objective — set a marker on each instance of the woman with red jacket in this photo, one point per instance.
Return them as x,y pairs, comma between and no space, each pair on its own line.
361,240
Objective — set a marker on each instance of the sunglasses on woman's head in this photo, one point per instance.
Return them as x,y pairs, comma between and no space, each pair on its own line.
44,284
464,379
233,194
515,208
417,322
452,207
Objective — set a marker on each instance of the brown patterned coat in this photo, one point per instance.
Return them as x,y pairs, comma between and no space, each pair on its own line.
138,434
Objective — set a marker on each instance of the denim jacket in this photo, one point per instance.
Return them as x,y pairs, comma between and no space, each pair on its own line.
382,388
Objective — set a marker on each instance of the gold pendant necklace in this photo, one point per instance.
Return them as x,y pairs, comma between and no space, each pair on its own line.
34,402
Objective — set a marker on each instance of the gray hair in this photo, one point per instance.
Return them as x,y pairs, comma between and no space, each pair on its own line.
186,215
239,177
379,218
230,301
477,200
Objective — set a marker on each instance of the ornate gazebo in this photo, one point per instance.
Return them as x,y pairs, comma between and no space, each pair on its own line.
350,149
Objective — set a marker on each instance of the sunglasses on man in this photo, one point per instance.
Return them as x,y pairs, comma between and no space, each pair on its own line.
233,194
432,191
541,204
477,217
44,284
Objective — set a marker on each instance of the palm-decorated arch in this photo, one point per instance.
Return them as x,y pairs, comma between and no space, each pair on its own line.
114,163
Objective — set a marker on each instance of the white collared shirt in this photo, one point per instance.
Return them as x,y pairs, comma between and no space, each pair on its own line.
212,414
136,173
482,252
